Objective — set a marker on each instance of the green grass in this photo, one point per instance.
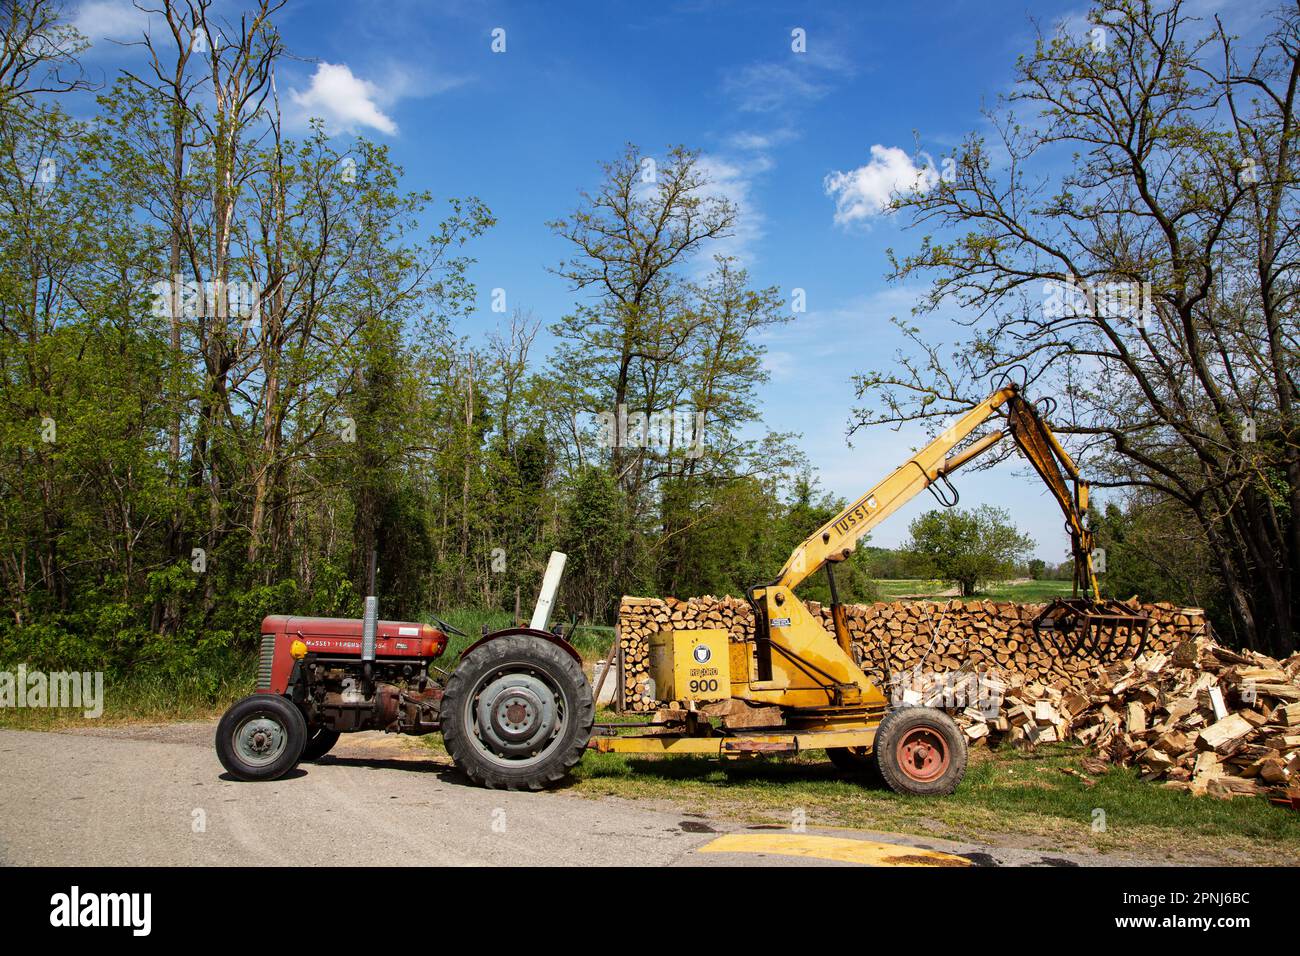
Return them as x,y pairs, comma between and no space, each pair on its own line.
1026,592
150,697
1005,792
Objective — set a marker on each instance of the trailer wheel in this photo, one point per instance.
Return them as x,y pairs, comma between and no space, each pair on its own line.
320,741
920,751
517,714
261,737
857,761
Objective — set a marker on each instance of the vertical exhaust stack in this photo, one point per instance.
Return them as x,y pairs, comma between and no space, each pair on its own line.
369,625
370,620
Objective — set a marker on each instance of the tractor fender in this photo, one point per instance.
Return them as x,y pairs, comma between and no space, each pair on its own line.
528,631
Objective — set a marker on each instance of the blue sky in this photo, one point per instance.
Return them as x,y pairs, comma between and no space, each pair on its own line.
526,128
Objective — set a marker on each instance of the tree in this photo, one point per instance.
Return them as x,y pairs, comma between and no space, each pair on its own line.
1130,242
1180,572
968,548
629,238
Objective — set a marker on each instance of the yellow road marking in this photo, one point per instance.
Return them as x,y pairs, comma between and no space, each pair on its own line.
841,849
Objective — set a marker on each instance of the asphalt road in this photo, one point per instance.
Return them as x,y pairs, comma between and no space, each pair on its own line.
157,796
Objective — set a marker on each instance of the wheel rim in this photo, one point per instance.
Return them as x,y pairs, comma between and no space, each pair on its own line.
923,754
260,740
517,713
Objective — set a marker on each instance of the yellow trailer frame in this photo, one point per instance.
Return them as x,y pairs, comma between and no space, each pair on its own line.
787,742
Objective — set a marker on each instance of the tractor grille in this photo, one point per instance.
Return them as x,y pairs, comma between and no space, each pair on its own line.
265,662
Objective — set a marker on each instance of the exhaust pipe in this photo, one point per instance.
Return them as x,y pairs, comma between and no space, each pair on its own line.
369,626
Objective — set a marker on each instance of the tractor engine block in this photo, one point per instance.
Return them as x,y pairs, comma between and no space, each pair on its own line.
400,702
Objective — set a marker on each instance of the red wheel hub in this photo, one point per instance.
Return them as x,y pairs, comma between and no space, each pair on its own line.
922,754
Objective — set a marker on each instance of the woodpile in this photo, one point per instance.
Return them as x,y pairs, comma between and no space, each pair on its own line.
1197,716
1202,718
994,638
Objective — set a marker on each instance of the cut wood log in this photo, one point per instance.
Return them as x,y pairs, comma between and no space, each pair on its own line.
1222,735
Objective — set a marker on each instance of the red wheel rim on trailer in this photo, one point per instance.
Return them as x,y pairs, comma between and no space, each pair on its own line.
922,754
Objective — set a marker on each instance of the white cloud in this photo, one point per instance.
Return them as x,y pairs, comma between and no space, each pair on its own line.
760,142
110,19
344,101
867,191
763,87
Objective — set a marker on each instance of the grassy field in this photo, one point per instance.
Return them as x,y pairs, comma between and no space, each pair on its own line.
1027,592
1008,795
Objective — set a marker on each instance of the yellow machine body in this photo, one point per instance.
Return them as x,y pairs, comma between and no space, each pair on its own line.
691,665
790,661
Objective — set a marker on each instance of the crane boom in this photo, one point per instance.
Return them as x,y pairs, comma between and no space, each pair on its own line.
836,539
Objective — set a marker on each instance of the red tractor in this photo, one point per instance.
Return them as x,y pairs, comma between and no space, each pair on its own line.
516,713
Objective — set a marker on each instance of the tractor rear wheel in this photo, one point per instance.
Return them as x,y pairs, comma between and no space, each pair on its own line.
517,713
920,751
320,741
261,737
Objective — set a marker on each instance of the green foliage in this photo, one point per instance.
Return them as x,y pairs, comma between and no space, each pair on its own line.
1155,553
595,533
968,548
174,468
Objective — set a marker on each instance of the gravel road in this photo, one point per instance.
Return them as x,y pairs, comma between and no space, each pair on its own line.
157,796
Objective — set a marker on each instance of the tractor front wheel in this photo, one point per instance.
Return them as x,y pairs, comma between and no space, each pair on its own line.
920,751
517,713
261,737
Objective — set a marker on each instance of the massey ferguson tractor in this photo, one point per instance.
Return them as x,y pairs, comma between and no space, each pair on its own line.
516,713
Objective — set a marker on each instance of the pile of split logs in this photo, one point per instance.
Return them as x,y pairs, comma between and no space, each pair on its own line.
1201,718
1191,713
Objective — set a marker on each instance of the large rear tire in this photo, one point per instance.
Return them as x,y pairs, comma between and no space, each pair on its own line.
920,751
517,713
261,737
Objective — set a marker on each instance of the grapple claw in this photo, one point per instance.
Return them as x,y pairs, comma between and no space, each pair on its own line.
1101,630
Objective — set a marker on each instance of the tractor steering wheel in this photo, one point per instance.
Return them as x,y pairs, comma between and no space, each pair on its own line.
447,628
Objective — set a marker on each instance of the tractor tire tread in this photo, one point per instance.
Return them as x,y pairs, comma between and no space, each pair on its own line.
458,738
280,707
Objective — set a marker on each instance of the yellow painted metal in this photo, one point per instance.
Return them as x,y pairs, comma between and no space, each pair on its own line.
837,538
740,745
691,665
796,663
808,668
838,849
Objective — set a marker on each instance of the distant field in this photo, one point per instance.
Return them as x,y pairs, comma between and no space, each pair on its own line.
1025,591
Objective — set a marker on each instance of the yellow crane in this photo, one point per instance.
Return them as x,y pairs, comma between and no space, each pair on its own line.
792,666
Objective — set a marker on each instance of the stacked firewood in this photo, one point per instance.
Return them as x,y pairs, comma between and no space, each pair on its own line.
1201,718
893,638
1198,716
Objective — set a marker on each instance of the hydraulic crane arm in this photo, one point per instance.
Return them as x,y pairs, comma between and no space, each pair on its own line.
932,465
796,665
